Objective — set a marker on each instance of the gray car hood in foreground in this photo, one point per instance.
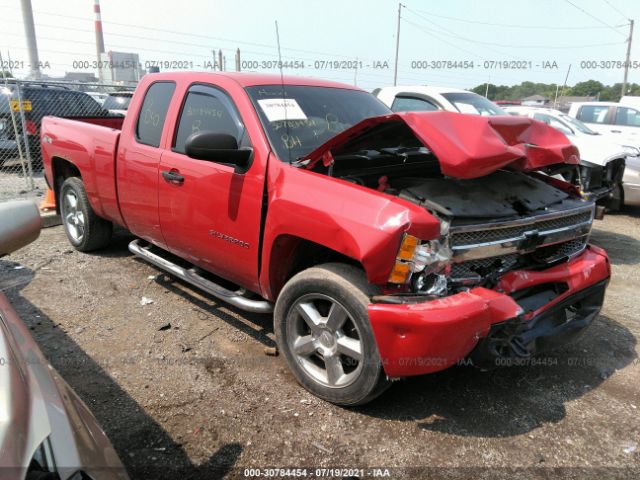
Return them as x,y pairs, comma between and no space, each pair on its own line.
36,403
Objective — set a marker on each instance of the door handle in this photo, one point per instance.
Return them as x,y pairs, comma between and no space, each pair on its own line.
173,176
616,131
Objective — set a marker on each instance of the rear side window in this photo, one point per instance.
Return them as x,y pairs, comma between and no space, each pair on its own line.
154,112
412,104
628,116
208,109
593,113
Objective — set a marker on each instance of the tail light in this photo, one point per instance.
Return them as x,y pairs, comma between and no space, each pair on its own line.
32,128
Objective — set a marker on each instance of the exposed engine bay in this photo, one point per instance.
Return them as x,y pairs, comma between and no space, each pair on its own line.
495,223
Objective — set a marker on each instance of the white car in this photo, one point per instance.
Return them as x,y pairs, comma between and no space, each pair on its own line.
594,148
610,118
427,99
600,182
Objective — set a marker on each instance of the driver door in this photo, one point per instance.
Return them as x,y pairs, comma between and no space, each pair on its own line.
209,214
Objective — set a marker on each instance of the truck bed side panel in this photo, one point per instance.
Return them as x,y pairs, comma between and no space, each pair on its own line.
92,149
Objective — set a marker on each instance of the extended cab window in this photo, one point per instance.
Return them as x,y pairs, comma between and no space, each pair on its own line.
154,112
628,116
593,113
208,109
412,104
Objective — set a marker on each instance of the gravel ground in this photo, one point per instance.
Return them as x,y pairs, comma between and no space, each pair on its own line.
184,389
14,186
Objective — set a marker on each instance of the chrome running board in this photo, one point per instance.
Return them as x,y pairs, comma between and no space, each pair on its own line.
237,298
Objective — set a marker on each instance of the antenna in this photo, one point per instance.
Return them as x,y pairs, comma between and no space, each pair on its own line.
284,95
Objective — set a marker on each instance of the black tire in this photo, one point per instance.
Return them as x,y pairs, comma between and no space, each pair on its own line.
326,286
96,231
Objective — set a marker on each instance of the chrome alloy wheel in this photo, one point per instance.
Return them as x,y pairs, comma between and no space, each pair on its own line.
325,340
73,216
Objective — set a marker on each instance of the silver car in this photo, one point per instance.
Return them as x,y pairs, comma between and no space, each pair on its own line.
46,431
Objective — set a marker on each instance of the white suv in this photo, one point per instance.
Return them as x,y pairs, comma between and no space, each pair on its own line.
610,117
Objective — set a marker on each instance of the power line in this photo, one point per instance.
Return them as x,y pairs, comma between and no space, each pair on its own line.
594,17
194,35
616,9
475,41
507,25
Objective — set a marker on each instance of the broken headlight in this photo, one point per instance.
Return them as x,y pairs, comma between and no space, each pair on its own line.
423,264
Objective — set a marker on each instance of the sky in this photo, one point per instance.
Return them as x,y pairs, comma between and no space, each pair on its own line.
457,43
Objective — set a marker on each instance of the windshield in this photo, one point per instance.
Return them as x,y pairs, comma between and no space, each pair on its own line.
578,125
117,102
467,102
309,116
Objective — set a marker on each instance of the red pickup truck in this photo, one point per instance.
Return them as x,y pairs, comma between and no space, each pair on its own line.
386,245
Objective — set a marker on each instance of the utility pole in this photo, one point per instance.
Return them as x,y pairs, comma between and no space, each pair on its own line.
486,90
395,70
565,81
30,34
626,65
237,60
220,59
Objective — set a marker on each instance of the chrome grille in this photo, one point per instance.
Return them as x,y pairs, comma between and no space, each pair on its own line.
504,233
479,250
474,268
551,253
479,267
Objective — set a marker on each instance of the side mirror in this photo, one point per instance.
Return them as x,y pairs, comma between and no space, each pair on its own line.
218,147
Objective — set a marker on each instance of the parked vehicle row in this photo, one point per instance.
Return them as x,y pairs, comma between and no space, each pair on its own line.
385,244
40,100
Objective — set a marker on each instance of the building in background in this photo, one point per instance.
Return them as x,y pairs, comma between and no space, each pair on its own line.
121,67
81,77
535,101
563,103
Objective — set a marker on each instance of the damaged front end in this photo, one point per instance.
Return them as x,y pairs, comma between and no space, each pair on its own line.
599,183
503,215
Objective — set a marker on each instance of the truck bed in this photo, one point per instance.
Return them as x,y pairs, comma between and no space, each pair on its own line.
91,144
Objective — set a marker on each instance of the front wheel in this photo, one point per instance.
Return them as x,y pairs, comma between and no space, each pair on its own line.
85,230
322,328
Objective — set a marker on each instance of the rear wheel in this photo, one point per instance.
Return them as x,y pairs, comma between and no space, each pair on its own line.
323,330
85,230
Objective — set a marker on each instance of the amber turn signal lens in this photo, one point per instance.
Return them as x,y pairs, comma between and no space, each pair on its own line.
407,247
400,273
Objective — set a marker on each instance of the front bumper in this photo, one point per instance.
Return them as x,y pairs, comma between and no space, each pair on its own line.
425,337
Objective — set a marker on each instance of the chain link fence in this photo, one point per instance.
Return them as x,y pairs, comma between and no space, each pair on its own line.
23,104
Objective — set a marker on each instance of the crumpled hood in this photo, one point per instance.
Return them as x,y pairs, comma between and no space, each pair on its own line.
468,146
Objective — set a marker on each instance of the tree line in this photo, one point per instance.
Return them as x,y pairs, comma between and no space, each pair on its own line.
590,88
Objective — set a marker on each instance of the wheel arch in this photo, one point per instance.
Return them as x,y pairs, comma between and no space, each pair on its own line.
291,254
62,169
